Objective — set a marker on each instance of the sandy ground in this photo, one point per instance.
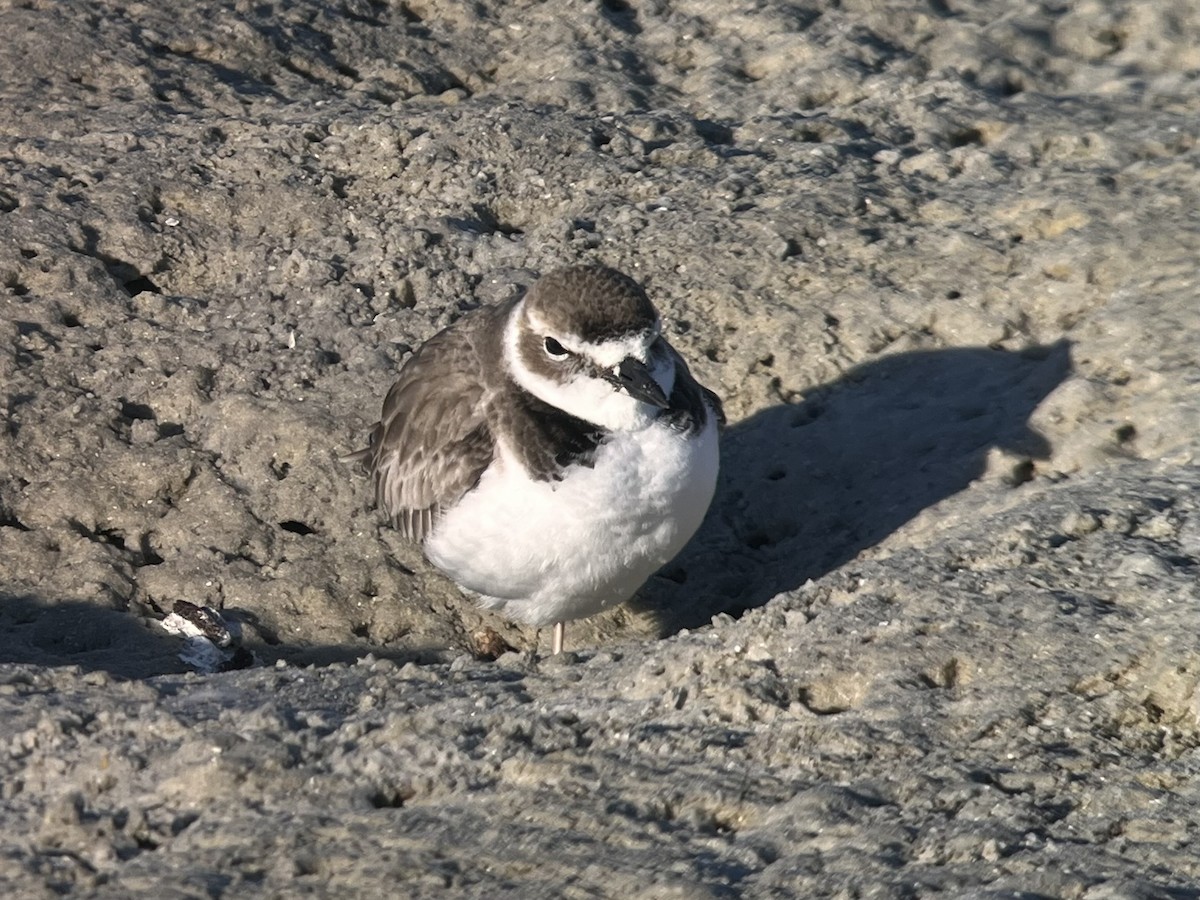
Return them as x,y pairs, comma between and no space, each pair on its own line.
939,633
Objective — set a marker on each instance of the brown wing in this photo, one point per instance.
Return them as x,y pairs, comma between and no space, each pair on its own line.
432,442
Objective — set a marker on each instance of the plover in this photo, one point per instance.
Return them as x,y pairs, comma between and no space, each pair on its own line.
550,453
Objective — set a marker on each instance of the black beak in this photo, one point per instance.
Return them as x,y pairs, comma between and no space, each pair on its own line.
634,378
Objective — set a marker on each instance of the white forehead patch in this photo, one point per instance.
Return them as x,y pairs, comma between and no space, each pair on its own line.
606,354
610,354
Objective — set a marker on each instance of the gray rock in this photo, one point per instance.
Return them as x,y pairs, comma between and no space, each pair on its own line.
938,632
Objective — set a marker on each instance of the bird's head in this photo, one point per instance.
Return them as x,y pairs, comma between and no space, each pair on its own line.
587,340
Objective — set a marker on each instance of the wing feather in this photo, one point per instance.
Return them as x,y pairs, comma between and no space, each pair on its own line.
433,440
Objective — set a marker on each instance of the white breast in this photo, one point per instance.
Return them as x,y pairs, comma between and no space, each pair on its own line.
545,552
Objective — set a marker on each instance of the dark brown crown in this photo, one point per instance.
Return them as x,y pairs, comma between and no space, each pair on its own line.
593,303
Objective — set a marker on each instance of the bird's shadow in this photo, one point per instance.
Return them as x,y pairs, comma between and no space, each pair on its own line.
805,487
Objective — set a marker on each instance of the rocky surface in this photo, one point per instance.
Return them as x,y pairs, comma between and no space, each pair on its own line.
939,258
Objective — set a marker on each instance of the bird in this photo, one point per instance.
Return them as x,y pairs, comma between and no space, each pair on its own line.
548,453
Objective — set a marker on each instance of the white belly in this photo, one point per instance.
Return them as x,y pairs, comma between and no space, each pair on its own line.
546,552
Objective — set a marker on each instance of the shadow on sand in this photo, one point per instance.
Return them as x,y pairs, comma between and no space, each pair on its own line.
100,638
806,487
89,635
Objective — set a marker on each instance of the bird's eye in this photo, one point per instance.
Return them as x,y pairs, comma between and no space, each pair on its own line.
554,349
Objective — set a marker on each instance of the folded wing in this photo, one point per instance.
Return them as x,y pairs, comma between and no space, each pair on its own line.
433,441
